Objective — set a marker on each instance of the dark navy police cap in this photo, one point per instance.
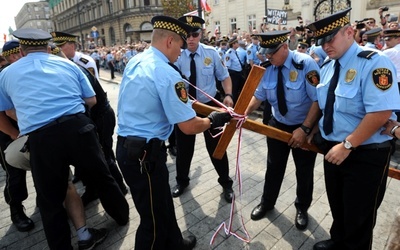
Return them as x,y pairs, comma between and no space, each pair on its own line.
60,38
326,28
10,47
172,24
373,32
271,40
194,21
32,37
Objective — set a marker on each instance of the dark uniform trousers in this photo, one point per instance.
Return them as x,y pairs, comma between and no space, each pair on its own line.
70,140
237,83
355,190
15,191
151,193
278,153
185,150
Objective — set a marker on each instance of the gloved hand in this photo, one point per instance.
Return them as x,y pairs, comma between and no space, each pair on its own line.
218,119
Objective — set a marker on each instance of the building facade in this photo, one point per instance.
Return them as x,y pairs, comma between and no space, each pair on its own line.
118,22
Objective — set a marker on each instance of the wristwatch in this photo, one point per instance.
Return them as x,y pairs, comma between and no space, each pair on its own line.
348,145
306,130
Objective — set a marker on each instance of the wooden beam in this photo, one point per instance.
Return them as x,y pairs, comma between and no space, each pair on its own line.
247,93
272,132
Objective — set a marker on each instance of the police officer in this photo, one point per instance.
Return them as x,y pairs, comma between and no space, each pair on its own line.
373,38
234,66
143,128
208,68
101,113
68,43
289,86
357,95
15,191
96,57
60,134
252,50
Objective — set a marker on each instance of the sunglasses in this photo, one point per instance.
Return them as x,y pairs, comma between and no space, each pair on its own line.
194,35
273,53
301,47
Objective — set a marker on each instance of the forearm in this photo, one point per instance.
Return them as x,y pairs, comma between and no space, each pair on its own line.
195,125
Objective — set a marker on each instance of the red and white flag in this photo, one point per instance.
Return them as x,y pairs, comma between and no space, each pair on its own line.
205,6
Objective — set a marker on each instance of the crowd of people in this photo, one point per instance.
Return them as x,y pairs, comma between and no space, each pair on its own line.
331,83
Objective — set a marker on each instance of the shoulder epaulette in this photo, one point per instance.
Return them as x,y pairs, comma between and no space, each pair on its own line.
367,54
84,60
299,65
326,62
266,64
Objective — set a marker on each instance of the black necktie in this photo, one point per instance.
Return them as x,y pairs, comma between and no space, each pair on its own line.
330,100
281,93
192,78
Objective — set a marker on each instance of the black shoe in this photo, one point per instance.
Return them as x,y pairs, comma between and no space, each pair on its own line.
259,211
228,194
19,218
98,235
301,220
325,245
189,242
178,190
88,197
172,150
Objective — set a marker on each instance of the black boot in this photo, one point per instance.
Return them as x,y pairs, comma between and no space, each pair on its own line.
19,218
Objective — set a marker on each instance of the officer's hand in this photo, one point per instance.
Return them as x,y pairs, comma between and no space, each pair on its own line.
218,119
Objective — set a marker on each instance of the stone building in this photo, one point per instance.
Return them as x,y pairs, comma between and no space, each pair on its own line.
117,22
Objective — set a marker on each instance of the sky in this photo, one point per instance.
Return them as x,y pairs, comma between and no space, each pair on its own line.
7,15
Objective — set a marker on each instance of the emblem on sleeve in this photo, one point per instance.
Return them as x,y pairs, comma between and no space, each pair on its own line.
227,58
350,74
383,78
91,70
248,52
181,92
313,77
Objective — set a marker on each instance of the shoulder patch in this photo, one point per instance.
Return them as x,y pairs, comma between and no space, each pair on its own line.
227,58
313,77
298,65
84,60
91,70
180,90
383,78
266,64
248,52
367,54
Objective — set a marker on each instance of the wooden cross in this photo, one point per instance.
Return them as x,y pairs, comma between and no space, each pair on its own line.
247,93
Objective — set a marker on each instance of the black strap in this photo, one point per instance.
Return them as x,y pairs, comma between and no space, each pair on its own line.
281,93
192,78
330,100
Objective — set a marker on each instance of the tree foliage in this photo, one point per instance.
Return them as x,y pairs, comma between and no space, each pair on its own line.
176,8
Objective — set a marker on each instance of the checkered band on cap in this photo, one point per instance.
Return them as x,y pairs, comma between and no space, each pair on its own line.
61,39
189,20
33,42
332,26
266,42
10,51
169,26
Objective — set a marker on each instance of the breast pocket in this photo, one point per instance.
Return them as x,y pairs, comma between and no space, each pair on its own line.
348,98
294,92
207,74
270,89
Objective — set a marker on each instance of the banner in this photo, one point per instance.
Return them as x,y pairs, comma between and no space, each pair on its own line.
273,16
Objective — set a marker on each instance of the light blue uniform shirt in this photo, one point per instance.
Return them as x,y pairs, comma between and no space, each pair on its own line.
43,87
364,86
232,60
148,101
242,55
300,90
208,67
252,54
319,52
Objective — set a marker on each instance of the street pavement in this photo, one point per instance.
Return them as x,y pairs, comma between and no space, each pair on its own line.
202,208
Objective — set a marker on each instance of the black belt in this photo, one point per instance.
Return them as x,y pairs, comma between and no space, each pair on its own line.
60,120
371,146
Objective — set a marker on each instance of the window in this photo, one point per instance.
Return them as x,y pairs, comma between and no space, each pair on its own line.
233,25
252,22
216,2
146,2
